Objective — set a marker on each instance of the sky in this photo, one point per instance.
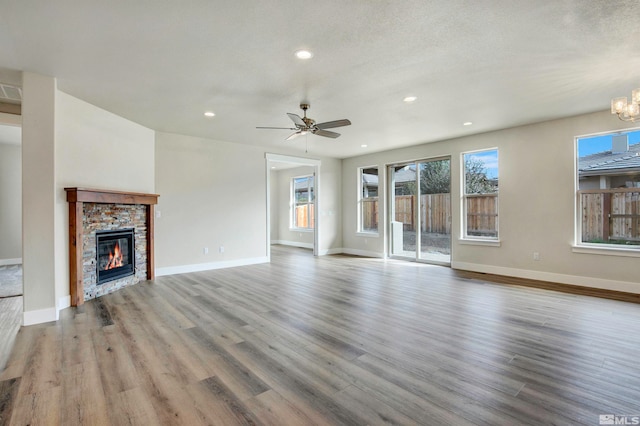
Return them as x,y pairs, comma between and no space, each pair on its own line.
587,146
490,160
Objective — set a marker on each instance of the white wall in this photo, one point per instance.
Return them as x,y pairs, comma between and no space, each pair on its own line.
38,198
274,213
537,184
95,149
212,194
330,202
10,202
282,198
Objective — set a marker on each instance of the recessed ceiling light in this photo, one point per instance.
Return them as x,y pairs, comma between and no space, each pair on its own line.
209,114
364,145
467,123
410,99
304,54
273,167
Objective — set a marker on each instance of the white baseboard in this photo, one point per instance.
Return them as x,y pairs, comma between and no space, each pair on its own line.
331,251
39,316
64,302
600,283
363,253
293,244
6,262
184,269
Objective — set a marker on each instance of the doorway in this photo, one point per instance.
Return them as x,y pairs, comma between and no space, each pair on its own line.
420,210
293,193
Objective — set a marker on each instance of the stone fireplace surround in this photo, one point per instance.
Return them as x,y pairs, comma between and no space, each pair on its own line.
97,209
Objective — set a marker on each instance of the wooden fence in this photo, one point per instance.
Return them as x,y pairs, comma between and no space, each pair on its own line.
610,215
370,214
436,213
304,216
482,215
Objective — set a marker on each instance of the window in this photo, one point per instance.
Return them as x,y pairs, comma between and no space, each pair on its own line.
480,194
303,202
608,189
368,200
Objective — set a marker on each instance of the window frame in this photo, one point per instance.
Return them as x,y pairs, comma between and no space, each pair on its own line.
362,199
465,238
579,246
293,204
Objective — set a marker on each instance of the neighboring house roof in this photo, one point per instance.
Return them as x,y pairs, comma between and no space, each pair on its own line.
401,176
607,162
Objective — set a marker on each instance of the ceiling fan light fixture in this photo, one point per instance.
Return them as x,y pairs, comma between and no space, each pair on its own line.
209,114
304,54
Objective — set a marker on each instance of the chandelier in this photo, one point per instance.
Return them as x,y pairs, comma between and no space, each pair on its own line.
627,111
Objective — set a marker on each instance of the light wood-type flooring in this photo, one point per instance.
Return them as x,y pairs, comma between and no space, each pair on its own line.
333,340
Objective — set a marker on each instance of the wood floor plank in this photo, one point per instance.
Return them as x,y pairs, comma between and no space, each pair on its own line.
327,340
8,394
132,407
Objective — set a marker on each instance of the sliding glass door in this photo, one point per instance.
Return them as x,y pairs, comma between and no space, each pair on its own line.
420,204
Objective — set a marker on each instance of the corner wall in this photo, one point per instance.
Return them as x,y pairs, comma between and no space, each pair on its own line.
95,149
213,194
536,205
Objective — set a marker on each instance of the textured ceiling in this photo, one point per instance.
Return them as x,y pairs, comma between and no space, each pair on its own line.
496,63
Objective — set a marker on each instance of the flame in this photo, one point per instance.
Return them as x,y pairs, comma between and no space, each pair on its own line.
115,258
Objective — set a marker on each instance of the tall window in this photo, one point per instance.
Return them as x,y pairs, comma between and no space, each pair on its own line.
303,202
480,193
608,189
368,200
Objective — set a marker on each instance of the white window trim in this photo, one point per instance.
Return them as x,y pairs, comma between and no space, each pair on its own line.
359,230
473,239
292,203
606,250
592,248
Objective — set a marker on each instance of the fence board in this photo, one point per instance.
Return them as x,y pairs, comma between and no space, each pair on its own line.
612,214
482,215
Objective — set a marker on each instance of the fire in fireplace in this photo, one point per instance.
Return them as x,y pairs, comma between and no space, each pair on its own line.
115,254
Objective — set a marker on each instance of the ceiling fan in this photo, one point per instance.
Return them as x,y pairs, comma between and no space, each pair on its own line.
306,125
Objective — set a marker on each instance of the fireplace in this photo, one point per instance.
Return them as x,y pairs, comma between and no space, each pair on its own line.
115,252
93,211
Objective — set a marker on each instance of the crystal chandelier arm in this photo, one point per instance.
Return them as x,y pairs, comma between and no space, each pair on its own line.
625,110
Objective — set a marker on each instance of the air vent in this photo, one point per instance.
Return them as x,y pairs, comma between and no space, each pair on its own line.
9,93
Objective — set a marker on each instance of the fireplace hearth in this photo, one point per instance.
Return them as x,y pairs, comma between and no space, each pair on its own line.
115,251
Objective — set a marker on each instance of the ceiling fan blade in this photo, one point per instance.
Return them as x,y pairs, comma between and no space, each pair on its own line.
282,128
332,124
296,119
326,133
295,135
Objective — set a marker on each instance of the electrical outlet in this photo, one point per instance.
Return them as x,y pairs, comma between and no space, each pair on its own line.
221,249
158,213
536,256
205,250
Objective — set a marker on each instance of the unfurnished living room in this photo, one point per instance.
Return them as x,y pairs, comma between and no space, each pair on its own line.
319,213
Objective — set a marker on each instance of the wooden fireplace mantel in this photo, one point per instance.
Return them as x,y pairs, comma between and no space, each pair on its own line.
76,198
